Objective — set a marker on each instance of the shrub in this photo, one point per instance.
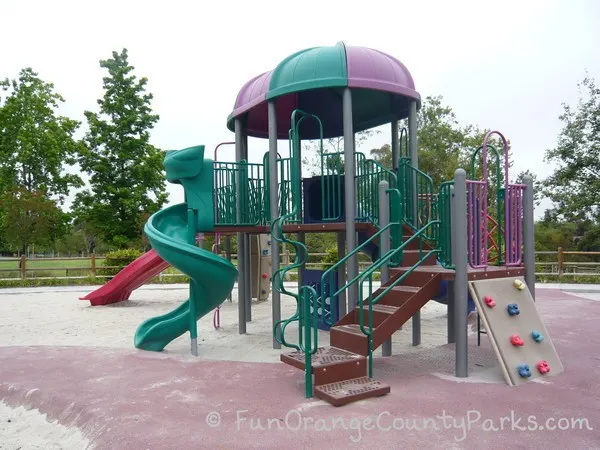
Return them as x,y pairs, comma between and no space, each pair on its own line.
330,258
119,259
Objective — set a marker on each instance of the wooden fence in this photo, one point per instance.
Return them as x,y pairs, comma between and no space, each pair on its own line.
558,263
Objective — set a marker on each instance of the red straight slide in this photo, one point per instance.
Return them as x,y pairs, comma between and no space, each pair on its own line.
128,280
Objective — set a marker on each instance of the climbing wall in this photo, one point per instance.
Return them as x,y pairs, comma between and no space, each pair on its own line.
260,266
517,333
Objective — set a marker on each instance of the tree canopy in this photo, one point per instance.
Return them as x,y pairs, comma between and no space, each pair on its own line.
127,180
574,187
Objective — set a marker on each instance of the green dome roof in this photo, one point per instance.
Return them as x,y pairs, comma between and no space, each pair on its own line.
312,68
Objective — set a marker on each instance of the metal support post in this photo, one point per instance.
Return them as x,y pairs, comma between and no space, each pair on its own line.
239,155
384,220
341,252
273,201
528,235
350,195
459,240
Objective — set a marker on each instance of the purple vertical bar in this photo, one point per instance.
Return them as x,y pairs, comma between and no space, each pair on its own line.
477,223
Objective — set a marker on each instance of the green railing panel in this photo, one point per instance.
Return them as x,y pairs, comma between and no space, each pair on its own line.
445,217
332,169
241,181
369,173
420,200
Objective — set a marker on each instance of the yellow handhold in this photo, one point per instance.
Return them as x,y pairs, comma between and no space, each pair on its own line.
519,284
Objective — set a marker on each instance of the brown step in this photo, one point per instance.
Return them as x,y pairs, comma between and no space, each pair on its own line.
380,313
344,392
398,295
329,364
411,257
349,337
417,277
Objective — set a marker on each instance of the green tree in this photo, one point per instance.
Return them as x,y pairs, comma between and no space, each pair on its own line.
31,218
574,187
444,144
127,180
36,144
36,149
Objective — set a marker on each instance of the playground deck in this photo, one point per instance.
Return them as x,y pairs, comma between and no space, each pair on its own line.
490,272
292,228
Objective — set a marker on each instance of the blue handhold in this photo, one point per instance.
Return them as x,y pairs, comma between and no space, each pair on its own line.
537,336
513,309
524,371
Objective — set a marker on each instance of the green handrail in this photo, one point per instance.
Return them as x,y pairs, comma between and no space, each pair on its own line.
306,297
368,274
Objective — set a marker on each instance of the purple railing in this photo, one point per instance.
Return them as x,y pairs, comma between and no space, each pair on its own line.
477,223
513,214
513,223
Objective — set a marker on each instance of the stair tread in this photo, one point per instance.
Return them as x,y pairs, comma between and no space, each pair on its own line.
380,308
402,288
350,328
346,391
324,356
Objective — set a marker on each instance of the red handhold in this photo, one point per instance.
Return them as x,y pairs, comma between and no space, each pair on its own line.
543,367
265,276
489,301
516,340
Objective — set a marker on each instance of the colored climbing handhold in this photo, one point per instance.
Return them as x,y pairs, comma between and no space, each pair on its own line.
513,309
489,301
519,284
524,371
543,367
265,276
537,336
516,340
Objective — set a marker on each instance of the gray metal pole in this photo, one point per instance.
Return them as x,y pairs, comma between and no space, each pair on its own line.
228,254
248,276
395,145
350,195
341,252
412,133
414,161
384,247
273,200
239,155
247,248
528,235
459,238
451,312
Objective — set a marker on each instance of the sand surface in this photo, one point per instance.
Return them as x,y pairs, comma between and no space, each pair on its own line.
23,429
57,317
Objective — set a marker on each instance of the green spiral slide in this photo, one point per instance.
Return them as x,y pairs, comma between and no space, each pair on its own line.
172,233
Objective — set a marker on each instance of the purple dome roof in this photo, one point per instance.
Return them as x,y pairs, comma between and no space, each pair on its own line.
311,80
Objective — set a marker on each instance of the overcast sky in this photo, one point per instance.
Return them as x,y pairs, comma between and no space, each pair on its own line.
502,65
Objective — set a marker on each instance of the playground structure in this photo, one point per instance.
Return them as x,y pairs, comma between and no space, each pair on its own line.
417,235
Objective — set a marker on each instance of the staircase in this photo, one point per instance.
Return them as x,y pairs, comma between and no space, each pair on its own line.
342,371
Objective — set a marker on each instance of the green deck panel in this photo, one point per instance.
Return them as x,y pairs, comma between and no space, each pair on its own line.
312,68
